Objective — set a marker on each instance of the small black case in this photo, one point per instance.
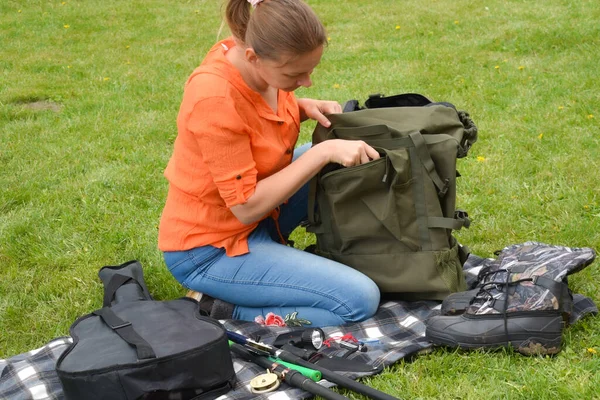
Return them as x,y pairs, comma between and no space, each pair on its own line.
138,348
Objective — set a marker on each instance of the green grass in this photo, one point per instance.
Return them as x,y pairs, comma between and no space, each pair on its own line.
81,184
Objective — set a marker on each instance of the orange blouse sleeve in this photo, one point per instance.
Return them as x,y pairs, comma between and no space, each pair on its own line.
224,142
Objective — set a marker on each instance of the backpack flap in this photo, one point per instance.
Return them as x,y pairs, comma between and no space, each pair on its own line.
417,100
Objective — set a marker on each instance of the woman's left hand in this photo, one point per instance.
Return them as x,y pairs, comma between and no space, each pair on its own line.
316,109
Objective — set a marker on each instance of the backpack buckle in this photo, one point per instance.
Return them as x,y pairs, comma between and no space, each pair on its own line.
463,216
120,326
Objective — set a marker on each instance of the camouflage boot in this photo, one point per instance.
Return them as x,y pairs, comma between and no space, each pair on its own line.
457,303
572,260
524,306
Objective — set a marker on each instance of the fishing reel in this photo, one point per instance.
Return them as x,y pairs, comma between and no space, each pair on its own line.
264,383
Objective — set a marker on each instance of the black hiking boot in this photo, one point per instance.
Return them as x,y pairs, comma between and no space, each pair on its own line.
529,334
525,304
211,307
527,314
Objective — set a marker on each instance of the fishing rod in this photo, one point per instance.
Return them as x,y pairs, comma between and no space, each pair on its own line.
288,375
307,372
294,359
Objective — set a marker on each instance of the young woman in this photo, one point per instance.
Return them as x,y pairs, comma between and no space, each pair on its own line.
237,186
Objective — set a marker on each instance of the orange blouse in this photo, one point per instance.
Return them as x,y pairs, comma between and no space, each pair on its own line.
228,139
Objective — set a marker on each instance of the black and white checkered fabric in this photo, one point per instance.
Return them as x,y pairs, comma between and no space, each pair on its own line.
31,375
399,328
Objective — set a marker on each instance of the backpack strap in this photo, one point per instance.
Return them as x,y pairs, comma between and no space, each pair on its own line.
425,157
460,220
445,223
125,330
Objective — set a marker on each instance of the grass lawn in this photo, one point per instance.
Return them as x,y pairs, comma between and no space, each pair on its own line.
89,94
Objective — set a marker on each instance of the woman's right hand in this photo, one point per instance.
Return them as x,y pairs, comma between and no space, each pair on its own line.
348,153
273,190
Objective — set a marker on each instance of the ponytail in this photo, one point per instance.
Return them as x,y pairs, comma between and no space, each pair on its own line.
237,15
276,27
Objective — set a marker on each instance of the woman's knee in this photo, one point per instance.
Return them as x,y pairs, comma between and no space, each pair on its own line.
364,301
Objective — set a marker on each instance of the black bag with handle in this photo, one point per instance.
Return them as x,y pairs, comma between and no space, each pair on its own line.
139,348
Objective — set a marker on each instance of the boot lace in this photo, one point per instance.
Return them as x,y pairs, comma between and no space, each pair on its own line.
485,293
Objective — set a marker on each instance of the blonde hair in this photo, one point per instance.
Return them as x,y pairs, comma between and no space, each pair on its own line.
276,27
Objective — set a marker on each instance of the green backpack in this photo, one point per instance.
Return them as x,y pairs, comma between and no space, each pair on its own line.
392,218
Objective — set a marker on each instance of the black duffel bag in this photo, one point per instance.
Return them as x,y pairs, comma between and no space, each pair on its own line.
139,348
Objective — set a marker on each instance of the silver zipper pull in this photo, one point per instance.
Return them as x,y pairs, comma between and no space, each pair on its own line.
386,171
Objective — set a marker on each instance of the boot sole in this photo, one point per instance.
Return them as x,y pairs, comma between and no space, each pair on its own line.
545,341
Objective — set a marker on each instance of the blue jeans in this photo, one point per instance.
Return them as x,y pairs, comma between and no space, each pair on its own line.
276,278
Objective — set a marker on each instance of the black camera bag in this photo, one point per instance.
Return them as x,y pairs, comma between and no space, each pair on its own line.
139,348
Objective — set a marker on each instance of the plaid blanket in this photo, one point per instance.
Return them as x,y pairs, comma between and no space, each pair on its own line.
398,327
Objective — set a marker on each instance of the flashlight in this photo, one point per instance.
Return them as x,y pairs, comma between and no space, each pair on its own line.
301,338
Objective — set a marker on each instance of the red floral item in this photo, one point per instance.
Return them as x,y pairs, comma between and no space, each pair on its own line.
270,319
